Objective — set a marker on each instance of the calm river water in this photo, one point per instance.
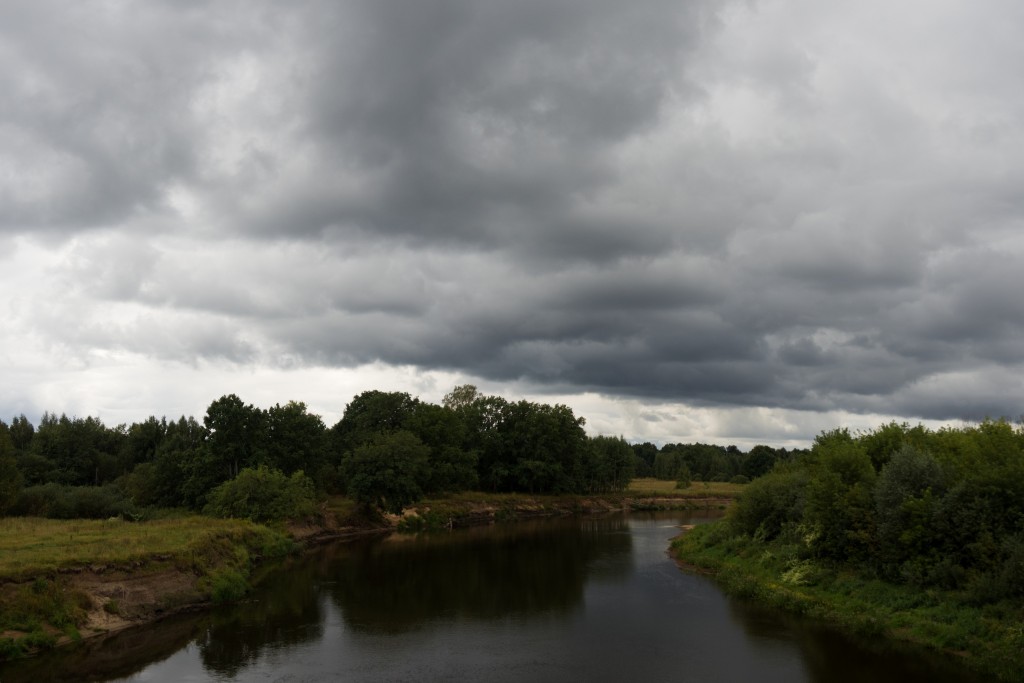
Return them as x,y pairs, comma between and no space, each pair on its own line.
578,599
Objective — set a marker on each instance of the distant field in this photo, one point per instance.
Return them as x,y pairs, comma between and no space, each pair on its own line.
29,545
711,489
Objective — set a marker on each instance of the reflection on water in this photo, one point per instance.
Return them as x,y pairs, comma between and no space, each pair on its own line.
286,612
528,568
830,656
115,657
592,598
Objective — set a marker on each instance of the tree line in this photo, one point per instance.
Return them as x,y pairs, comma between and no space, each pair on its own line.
387,450
707,462
939,509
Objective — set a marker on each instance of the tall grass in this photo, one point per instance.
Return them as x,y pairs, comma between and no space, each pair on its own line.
29,546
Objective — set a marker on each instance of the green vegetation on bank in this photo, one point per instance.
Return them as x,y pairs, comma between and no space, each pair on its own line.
387,451
475,507
696,490
31,546
79,496
903,531
40,558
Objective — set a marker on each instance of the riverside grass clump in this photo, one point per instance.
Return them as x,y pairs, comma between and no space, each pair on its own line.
907,532
41,611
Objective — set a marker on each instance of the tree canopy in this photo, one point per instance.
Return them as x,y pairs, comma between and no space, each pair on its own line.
471,440
942,509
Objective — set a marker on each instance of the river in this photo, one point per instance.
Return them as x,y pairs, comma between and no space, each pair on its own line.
569,599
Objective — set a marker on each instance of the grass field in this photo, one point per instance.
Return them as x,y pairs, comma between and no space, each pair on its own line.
698,489
30,545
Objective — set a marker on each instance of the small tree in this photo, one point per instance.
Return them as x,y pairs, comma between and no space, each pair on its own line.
684,478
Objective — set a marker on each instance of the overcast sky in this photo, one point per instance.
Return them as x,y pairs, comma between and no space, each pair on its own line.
735,222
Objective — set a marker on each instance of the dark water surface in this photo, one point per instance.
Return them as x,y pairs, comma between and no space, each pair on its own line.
579,599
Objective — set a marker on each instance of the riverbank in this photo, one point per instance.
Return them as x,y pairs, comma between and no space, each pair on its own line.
64,581
465,510
988,639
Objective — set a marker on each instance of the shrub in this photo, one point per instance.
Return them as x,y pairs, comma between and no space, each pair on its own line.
227,585
740,479
73,502
770,503
263,495
684,478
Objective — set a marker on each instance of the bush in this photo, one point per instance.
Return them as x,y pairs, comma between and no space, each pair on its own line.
263,495
684,478
228,585
740,479
73,502
770,503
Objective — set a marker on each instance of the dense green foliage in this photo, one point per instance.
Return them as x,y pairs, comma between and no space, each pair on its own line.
706,462
934,509
263,495
388,449
10,476
386,471
778,573
57,501
902,530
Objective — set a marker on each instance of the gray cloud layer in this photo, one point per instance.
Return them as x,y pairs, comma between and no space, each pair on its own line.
781,204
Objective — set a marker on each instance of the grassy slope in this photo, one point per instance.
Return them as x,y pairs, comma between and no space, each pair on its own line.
30,546
42,562
989,639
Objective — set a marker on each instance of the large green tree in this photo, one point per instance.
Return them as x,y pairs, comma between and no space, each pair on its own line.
611,465
759,461
372,413
22,432
237,435
296,438
529,446
451,466
81,451
142,439
387,472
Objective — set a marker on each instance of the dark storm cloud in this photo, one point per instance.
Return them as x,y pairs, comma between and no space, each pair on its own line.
488,123
722,204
